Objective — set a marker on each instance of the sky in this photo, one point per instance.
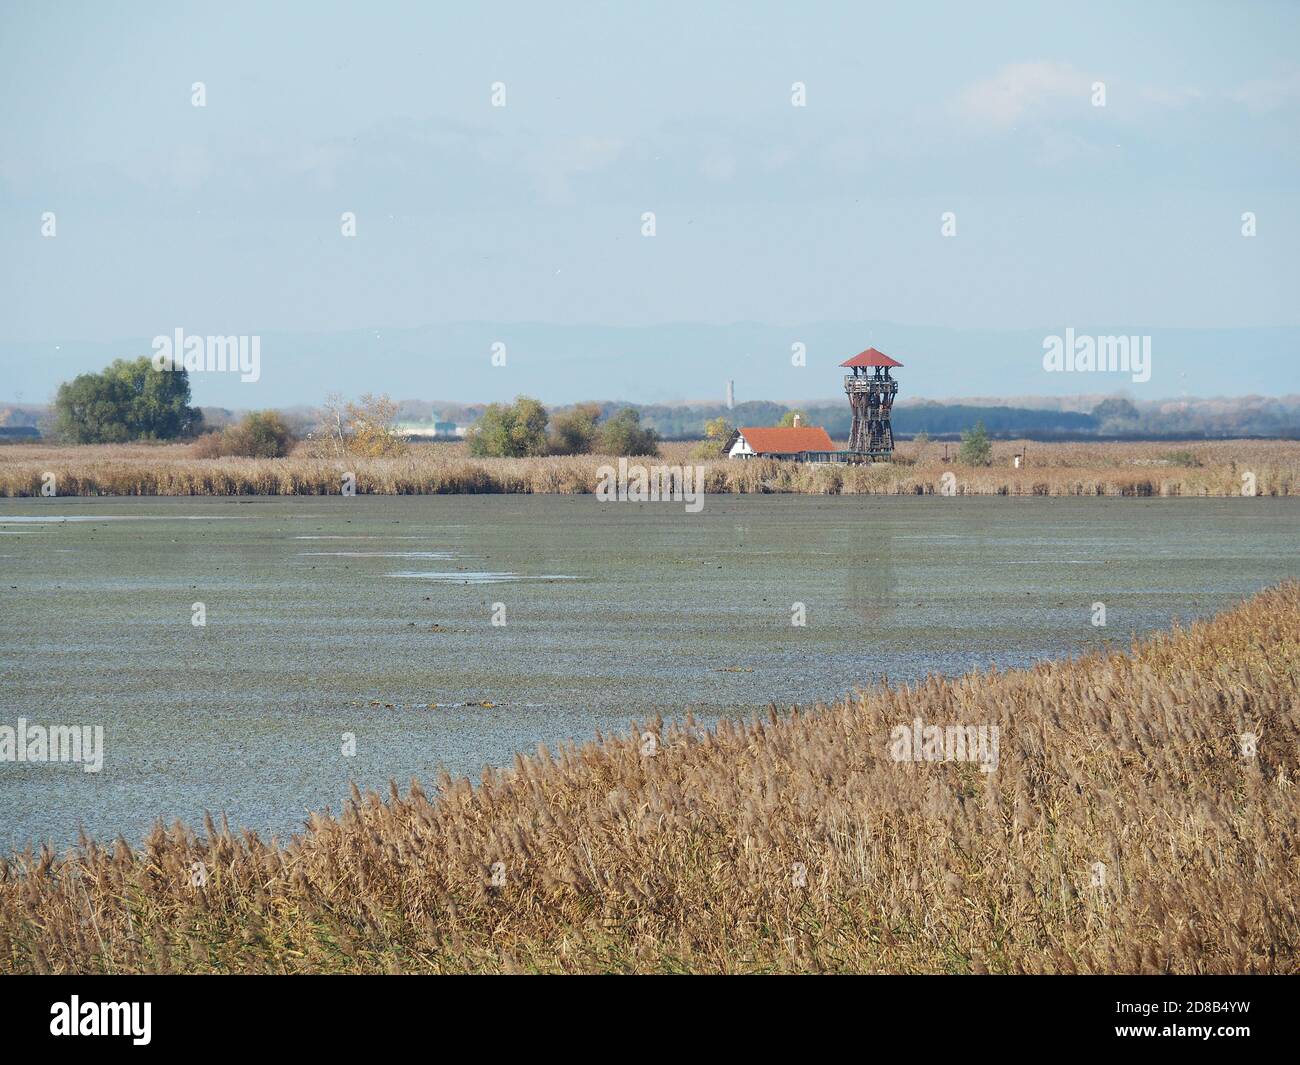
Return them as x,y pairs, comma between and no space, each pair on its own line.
1092,163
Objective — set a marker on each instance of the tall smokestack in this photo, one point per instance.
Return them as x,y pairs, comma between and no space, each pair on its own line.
731,394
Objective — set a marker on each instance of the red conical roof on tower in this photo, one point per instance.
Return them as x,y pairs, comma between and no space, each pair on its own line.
870,357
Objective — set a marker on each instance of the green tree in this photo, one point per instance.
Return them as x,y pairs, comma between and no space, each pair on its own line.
1116,415
976,449
261,435
622,434
91,409
129,400
787,419
1116,407
513,430
717,434
718,429
573,431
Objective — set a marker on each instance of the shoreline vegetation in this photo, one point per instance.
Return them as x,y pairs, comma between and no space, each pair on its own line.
1166,468
1141,817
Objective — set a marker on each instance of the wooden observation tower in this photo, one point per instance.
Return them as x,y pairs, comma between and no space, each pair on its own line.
871,394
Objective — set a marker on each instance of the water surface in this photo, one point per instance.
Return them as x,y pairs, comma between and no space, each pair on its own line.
375,616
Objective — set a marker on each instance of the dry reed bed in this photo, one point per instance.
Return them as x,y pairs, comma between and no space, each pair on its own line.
614,860
1132,469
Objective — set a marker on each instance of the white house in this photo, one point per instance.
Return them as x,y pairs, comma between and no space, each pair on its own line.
797,442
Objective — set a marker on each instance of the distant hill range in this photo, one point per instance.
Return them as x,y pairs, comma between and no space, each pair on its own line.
1030,418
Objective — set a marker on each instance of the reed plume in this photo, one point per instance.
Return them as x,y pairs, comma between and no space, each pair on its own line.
1142,817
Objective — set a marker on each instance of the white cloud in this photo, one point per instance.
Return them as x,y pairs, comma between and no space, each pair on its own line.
1021,90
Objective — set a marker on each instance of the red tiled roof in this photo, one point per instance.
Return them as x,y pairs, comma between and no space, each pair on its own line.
870,357
782,441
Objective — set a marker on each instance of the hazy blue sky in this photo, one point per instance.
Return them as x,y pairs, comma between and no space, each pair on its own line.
226,218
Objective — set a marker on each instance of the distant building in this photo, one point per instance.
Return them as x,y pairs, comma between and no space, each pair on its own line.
797,444
871,390
731,394
431,430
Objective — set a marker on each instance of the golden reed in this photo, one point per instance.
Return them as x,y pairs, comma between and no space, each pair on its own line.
1220,468
1142,817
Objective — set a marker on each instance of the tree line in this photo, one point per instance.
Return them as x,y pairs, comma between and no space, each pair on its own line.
132,401
526,428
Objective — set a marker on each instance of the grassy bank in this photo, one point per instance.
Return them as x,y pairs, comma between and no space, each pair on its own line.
1122,830
1141,469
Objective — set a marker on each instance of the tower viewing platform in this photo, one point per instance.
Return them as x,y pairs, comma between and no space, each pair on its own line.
870,384
871,391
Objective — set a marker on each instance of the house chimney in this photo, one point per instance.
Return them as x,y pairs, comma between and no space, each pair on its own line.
796,421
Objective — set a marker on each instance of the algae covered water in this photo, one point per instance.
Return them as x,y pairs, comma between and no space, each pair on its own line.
255,656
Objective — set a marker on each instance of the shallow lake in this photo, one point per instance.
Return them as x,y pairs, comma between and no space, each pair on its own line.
317,608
